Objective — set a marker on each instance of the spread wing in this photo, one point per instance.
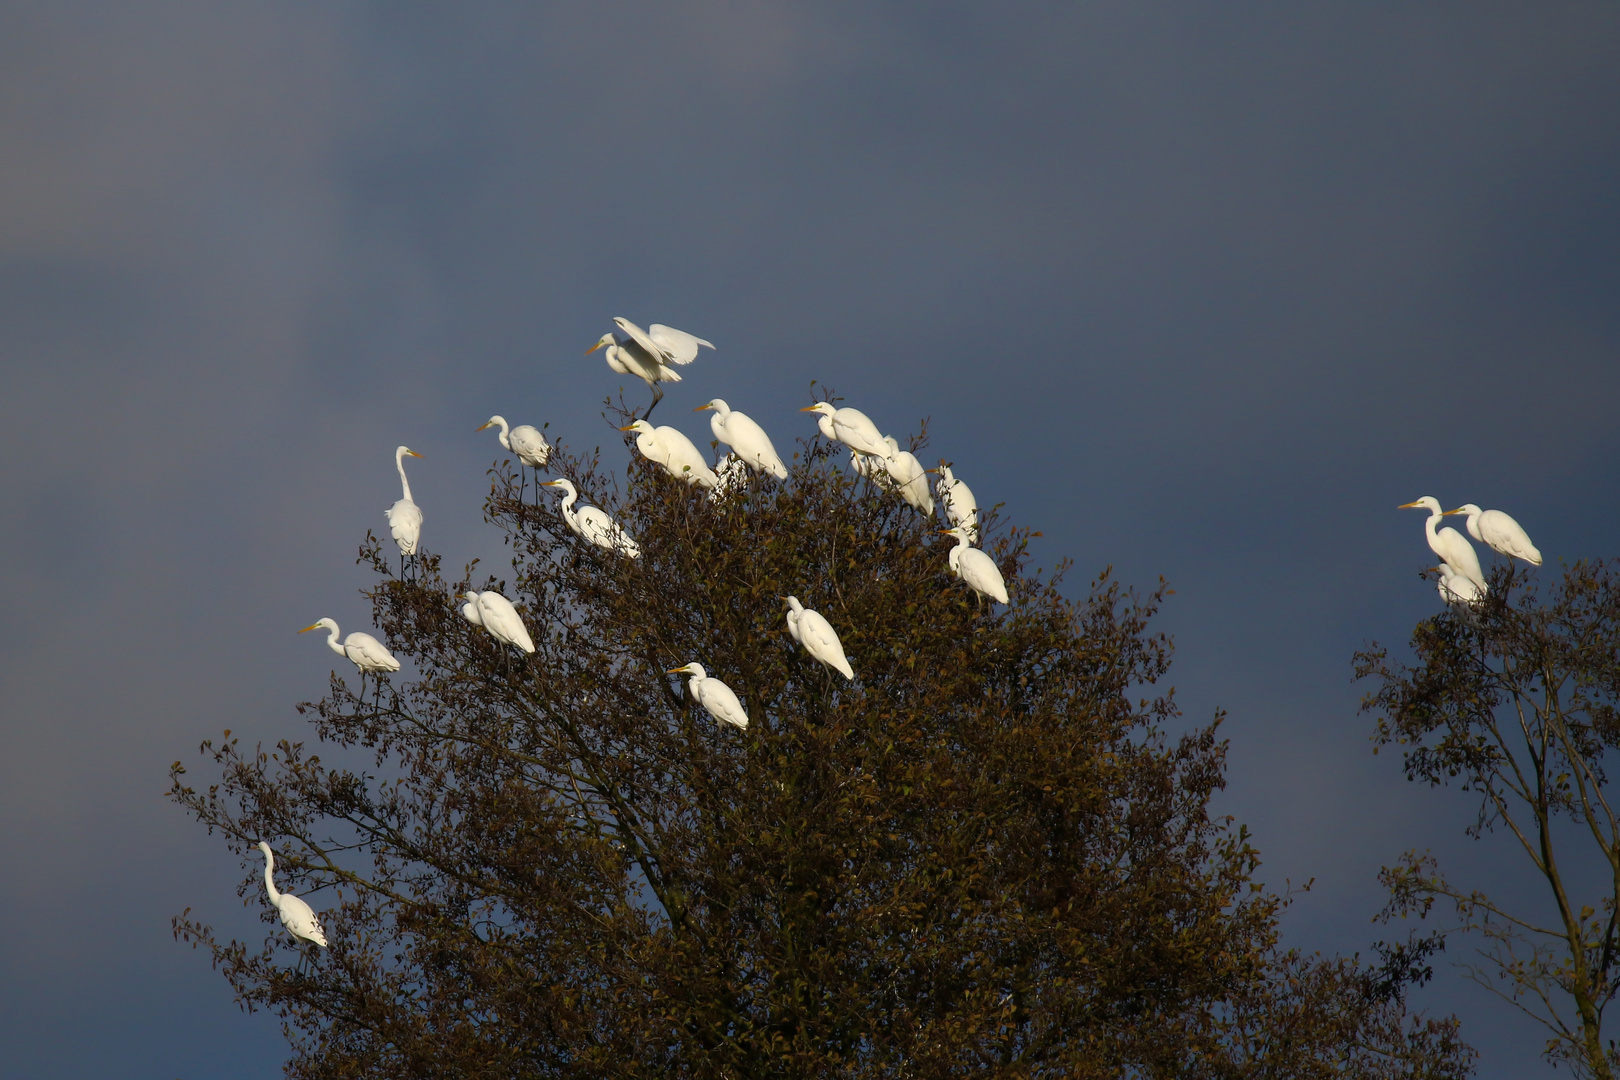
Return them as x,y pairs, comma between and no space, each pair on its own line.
678,345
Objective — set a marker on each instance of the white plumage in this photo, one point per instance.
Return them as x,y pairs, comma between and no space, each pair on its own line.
1449,544
405,517
1499,532
908,476
593,523
730,475
715,696
648,354
957,499
496,614
365,651
296,915
851,427
524,440
812,630
672,450
976,568
1455,588
746,438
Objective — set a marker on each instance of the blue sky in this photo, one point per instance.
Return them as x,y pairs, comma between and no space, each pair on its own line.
1198,291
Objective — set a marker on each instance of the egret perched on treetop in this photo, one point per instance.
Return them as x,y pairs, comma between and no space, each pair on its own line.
976,568
405,517
730,475
1449,544
496,614
812,630
851,427
958,502
713,695
525,441
746,438
674,451
593,523
365,651
909,477
648,353
1456,589
1499,532
296,915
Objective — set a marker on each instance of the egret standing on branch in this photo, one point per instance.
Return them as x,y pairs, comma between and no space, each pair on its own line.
593,523
747,439
1500,533
812,630
957,500
851,427
405,517
678,455
648,353
909,477
366,652
713,695
527,443
296,915
976,568
496,614
1449,544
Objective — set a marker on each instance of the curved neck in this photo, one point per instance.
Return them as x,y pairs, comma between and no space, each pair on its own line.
269,880
501,423
333,644
1433,524
399,463
570,497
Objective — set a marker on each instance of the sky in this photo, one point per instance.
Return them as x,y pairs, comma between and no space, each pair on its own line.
1201,291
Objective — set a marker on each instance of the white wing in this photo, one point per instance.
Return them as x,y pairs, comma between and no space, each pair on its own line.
960,506
678,345
722,704
300,921
683,460
981,573
529,445
596,526
821,641
1454,548
1507,537
368,653
405,522
503,622
751,443
910,480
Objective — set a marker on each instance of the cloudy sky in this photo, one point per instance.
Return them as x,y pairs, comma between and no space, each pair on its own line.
1196,290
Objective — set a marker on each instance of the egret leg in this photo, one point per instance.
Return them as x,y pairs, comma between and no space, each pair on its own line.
658,395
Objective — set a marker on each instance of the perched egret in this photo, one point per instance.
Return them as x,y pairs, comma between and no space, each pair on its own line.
296,915
525,441
1500,533
851,427
958,502
405,517
674,451
1449,544
976,568
713,695
812,630
730,475
909,477
1455,588
496,614
747,439
648,353
593,523
366,652
872,468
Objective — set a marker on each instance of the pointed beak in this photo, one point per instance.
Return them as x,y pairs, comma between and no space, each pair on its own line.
412,453
1408,506
593,348
307,629
1448,513
700,408
676,671
628,427
481,428
551,483
808,408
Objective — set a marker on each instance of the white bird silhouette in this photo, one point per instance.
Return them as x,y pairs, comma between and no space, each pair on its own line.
908,476
975,567
496,614
678,455
1499,532
365,651
957,500
714,695
812,630
593,523
525,441
648,353
851,427
405,517
296,915
1449,544
1455,588
747,439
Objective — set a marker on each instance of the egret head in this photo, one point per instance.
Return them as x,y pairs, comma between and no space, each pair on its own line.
566,485
495,421
822,407
405,451
1466,508
264,847
689,669
324,624
793,602
640,427
959,531
718,405
605,339
1428,502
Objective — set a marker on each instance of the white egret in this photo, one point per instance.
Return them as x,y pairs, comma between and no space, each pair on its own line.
1449,544
593,523
976,568
851,427
366,652
296,915
648,353
730,475
1499,532
713,695
872,468
678,455
496,614
909,477
526,442
812,630
405,517
1455,588
957,500
746,438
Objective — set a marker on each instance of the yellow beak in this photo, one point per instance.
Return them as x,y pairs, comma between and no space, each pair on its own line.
1408,506
412,453
307,629
593,348
481,428
628,427
700,408
1448,513
808,408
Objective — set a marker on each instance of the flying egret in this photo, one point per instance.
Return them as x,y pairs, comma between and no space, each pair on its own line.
908,476
713,695
747,439
1499,532
526,442
592,523
674,451
496,614
812,630
296,915
648,353
957,499
851,427
1449,544
975,567
405,517
366,652
730,475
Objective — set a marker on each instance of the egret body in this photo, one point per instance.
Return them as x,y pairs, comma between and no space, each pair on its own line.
976,568
678,455
524,440
747,439
405,517
958,502
296,915
715,696
1500,533
1449,544
811,630
592,523
496,614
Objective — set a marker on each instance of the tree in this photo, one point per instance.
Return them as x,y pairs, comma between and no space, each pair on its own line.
1513,699
984,855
